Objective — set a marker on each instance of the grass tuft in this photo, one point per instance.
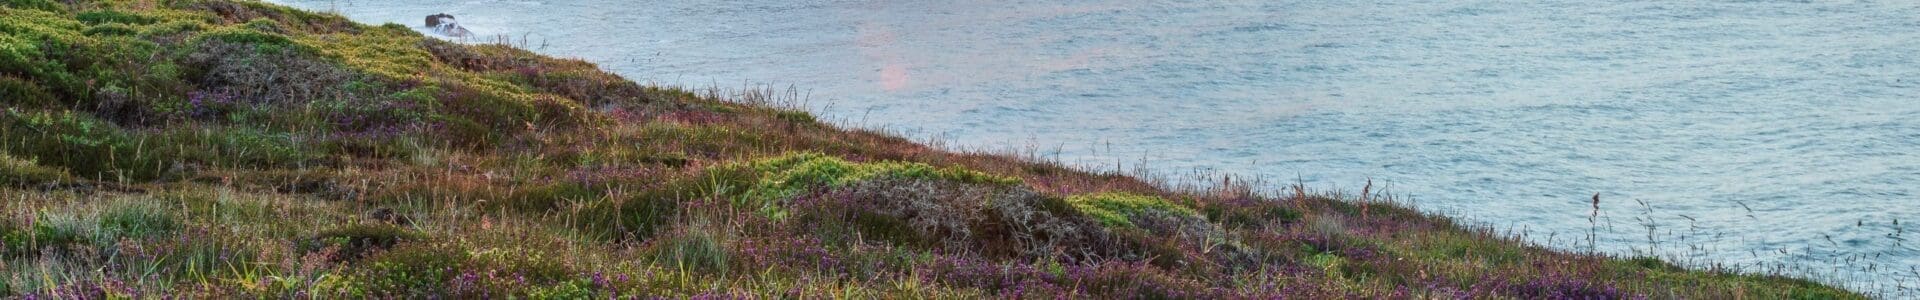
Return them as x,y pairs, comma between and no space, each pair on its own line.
21,172
138,219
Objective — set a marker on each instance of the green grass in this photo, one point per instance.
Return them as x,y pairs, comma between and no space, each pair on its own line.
138,219
16,171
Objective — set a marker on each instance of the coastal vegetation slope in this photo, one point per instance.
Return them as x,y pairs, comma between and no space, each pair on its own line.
240,149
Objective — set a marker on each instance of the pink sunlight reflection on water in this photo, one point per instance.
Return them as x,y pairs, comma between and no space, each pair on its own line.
877,45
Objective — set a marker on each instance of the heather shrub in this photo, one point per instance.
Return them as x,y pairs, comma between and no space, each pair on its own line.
171,30
1000,221
540,267
114,16
1144,282
259,35
1250,213
795,117
1027,224
1556,286
357,240
238,12
585,84
477,58
261,68
627,218
903,211
784,177
111,29
45,5
408,270
478,118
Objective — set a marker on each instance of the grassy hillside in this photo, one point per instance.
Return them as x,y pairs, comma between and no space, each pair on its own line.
240,149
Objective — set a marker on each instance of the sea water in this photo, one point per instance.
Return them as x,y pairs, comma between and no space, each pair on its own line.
1756,134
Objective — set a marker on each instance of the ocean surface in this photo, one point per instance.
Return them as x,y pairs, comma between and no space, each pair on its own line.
1765,135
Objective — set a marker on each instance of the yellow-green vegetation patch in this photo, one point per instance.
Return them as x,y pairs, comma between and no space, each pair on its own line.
393,53
1116,209
788,176
1654,271
1327,262
263,41
45,5
114,16
15,171
358,240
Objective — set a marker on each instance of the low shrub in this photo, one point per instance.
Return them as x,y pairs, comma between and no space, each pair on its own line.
950,216
795,117
114,16
262,69
111,29
21,172
45,5
629,218
261,42
1119,209
358,240
1251,213
16,92
783,177
409,270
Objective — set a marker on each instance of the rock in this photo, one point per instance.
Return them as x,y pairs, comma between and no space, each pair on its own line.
446,25
436,19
